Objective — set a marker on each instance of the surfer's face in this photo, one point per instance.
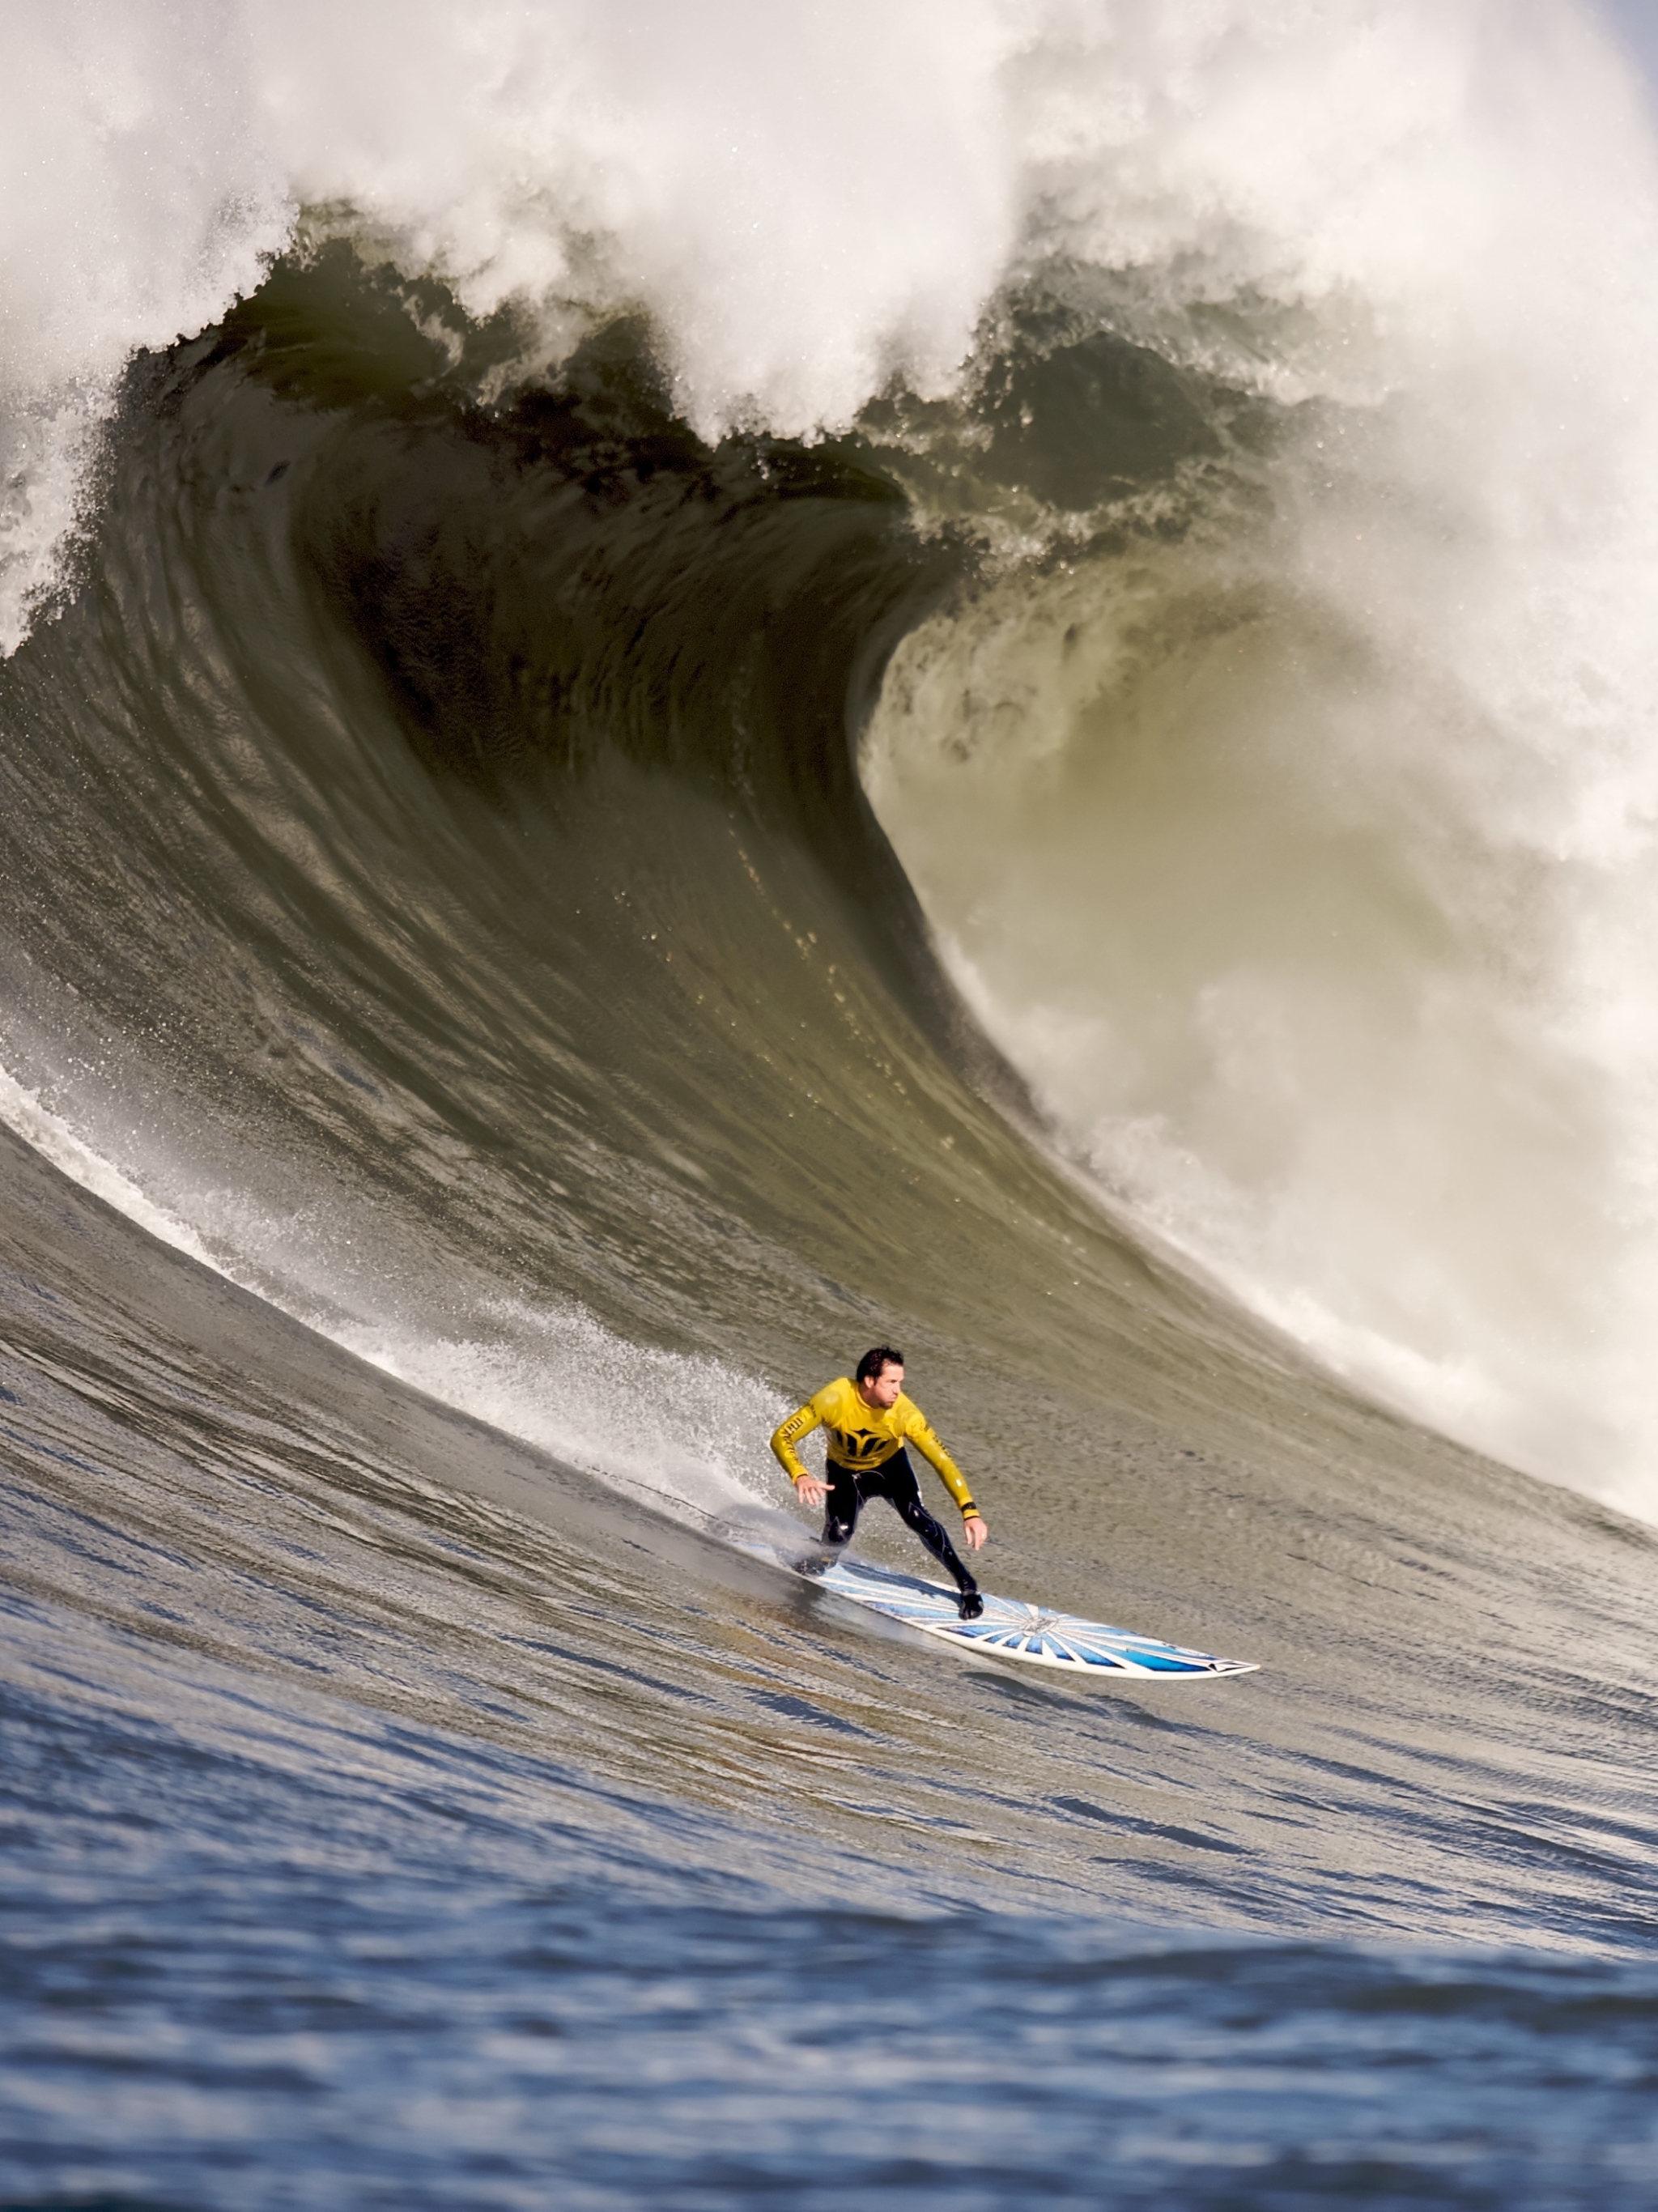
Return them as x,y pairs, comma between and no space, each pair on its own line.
883,1389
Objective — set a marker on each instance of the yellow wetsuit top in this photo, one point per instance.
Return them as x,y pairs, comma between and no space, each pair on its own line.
867,1436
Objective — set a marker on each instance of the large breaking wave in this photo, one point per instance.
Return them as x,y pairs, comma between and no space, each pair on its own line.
689,687
1207,455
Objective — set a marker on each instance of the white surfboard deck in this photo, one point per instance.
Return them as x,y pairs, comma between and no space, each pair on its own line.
1010,1629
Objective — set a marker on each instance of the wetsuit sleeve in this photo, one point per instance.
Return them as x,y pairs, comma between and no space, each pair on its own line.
919,1433
785,1439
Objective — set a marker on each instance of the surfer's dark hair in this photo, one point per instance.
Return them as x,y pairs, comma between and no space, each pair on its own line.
870,1366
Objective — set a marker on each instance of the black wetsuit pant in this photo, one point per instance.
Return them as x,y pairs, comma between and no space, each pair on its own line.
894,1480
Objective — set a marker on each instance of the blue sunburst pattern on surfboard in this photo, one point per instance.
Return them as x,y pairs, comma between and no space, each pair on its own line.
1009,1630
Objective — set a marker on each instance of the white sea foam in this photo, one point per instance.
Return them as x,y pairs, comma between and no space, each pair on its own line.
1308,870
669,1427
805,198
23,1111
136,202
679,1429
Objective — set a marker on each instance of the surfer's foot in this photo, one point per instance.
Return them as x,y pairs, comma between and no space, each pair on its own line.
969,1605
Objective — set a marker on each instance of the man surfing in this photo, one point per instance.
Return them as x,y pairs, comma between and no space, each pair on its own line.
867,1422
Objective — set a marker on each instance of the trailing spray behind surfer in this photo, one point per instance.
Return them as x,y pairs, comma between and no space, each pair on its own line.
868,1423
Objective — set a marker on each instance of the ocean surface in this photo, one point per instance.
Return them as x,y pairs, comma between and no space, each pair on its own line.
689,689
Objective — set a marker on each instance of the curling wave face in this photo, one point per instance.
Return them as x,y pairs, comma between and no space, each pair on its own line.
497,964
441,887
1265,744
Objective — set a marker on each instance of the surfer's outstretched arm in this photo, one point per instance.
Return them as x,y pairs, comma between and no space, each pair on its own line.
786,1438
920,1432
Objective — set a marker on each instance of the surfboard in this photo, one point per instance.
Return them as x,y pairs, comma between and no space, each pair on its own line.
1008,1629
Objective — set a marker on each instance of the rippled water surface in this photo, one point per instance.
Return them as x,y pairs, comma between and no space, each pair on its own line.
394,1816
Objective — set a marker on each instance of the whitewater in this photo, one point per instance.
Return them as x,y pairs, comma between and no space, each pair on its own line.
684,687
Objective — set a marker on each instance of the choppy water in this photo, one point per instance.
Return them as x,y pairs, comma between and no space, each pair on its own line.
592,824
392,1816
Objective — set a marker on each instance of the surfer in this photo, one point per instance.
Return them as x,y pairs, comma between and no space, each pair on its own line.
868,1421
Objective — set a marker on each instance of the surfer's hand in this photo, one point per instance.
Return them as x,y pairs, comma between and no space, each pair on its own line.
812,1489
974,1529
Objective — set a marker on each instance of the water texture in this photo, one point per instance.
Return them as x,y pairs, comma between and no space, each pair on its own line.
977,678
